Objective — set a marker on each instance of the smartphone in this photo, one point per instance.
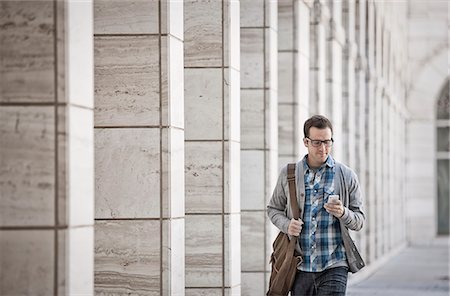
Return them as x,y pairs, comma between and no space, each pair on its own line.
333,198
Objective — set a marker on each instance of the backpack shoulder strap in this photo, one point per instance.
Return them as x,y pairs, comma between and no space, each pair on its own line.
292,190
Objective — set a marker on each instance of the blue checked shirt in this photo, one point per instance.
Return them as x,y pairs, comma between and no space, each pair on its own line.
320,239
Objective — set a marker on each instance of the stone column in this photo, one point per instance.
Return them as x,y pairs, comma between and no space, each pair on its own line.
349,85
293,78
335,44
320,17
378,133
46,148
139,147
393,200
372,202
212,146
385,180
361,116
259,139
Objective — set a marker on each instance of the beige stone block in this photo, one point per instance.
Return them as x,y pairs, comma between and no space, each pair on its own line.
62,265
252,13
27,174
63,163
26,262
127,173
62,45
27,52
302,82
126,17
252,119
202,33
203,177
203,292
252,58
253,284
252,237
286,137
127,257
271,124
204,251
126,80
203,104
286,25
252,180
286,74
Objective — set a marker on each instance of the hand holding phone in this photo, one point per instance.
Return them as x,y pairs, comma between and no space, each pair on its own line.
334,206
333,199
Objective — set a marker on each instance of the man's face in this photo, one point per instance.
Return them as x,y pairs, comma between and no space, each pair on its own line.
317,155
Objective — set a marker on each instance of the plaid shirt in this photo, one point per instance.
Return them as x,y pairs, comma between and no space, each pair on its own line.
320,239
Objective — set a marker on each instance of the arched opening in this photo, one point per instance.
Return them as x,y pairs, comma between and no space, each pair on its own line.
443,160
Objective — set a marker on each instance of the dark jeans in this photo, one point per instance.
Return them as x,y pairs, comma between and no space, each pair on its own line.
330,282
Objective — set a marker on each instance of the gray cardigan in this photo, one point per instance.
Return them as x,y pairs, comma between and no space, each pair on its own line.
346,185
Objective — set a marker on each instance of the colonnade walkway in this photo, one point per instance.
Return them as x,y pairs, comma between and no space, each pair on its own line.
417,270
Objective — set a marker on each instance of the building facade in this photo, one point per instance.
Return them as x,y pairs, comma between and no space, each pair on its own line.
141,140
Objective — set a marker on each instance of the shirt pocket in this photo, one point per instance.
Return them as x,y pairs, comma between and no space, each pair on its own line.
326,193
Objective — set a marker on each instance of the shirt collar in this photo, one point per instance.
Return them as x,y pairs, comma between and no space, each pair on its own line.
329,162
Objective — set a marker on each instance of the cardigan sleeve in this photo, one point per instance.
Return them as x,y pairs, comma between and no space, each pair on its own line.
276,209
353,217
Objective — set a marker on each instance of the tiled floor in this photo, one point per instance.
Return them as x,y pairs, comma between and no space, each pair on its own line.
419,270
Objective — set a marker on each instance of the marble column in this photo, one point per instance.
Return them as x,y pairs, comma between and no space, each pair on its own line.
335,44
348,85
392,177
378,133
46,148
293,78
259,139
320,17
372,202
139,147
361,114
212,147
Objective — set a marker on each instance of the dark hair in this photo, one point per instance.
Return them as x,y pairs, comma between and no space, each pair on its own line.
318,121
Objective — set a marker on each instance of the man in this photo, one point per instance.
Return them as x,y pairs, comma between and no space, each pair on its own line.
327,250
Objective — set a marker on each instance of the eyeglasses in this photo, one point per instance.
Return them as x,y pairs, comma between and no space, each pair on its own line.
318,143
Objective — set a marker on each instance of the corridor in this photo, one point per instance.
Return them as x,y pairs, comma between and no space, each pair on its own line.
418,270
